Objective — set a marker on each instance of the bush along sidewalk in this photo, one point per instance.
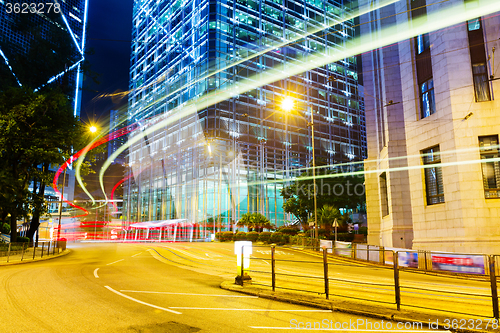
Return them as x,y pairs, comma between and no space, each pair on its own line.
282,237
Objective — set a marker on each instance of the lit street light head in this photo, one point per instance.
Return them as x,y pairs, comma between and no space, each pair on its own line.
93,129
287,104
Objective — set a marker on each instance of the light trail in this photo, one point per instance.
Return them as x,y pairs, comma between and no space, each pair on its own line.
82,153
361,11
113,192
434,21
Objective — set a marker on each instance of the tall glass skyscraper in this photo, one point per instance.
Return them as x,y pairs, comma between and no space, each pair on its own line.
20,21
18,18
212,162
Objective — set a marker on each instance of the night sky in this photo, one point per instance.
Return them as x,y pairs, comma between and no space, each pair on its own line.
109,36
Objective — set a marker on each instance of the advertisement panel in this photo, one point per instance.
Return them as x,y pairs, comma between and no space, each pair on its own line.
326,244
343,249
405,258
408,259
458,263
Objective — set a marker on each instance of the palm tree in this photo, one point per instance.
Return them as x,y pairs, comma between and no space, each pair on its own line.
327,216
254,220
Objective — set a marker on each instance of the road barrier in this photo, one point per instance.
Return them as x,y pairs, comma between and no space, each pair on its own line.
14,252
405,289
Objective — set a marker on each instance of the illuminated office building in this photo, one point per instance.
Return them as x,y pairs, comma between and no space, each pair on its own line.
18,22
219,161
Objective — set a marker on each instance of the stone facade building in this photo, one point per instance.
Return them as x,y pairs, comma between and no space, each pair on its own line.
433,124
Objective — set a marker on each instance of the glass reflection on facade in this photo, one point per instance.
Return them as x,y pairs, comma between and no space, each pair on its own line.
216,162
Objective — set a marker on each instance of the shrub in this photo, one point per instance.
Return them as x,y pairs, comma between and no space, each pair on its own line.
252,236
292,231
264,236
286,239
227,236
343,237
240,236
218,236
363,231
5,229
20,239
276,238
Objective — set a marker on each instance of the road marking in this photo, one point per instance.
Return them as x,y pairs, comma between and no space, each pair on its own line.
114,262
339,329
186,294
190,254
256,310
136,254
95,273
213,255
266,262
276,252
140,302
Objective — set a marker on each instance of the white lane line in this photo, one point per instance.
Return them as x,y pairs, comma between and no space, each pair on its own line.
266,262
185,294
95,273
140,302
340,329
256,310
114,262
136,254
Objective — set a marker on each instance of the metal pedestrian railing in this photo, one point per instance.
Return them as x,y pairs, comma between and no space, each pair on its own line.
15,252
398,283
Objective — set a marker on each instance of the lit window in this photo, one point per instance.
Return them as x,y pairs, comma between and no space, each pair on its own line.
474,24
427,102
488,149
423,43
481,83
433,176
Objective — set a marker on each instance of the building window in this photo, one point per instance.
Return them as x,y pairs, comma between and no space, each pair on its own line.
423,43
478,61
384,200
488,149
474,24
481,83
427,102
433,175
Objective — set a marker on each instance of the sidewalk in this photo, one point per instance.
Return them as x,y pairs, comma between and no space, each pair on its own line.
369,309
27,257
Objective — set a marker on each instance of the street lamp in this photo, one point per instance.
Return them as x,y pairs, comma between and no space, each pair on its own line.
287,105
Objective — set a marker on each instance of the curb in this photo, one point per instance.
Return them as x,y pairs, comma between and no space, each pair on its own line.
351,307
63,253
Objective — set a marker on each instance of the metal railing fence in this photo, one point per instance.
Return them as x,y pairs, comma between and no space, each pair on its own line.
13,252
319,280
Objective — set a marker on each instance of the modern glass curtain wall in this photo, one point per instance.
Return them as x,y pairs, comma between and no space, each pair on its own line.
212,164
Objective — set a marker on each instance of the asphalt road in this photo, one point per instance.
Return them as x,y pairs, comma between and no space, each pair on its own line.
149,288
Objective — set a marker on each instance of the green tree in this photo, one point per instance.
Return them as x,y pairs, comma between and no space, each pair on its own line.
37,129
335,189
